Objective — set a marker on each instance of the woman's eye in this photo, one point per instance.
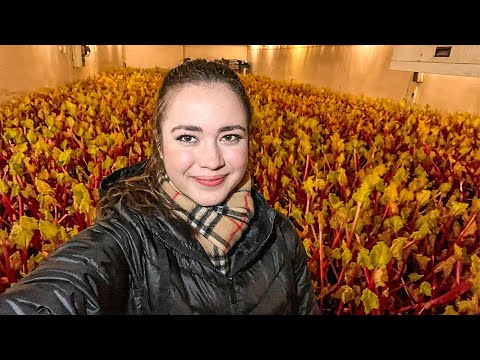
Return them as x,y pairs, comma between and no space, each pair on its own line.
186,138
232,138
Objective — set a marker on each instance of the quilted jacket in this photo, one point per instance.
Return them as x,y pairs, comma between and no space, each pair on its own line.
131,264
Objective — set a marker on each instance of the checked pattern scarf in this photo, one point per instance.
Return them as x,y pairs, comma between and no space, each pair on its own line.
219,226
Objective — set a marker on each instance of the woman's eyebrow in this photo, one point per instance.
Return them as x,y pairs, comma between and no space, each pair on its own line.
187,127
199,129
231,127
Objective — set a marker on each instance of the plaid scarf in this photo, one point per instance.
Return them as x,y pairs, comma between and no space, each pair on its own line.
219,226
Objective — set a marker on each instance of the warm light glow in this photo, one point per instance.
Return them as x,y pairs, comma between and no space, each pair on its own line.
278,47
365,48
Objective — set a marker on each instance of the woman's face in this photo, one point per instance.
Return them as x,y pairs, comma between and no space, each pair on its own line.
205,142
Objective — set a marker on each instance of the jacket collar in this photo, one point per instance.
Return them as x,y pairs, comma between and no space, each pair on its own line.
260,229
126,172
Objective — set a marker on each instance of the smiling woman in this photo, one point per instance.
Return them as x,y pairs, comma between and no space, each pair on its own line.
183,232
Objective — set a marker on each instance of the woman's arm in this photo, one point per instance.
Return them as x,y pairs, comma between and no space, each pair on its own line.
88,274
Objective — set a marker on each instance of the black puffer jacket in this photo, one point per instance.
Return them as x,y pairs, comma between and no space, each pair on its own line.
129,264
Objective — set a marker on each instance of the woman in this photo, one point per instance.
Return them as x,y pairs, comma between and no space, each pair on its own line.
182,232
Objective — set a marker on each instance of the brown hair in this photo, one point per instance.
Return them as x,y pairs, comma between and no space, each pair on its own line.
143,193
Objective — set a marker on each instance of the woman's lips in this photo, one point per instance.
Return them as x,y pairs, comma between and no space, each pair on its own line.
210,181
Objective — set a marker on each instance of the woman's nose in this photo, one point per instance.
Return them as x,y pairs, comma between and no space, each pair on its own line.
210,157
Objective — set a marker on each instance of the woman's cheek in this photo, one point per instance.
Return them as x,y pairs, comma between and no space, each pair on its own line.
183,160
178,160
238,158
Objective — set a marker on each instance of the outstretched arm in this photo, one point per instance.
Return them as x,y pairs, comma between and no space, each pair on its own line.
86,275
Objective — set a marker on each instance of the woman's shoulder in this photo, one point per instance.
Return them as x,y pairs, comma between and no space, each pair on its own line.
280,220
128,171
286,225
123,218
119,227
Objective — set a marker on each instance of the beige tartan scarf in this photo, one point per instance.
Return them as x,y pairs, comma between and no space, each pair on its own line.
219,226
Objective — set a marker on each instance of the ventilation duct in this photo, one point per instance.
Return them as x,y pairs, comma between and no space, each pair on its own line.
459,60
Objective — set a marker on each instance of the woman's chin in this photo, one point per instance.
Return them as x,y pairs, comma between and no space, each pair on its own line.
209,202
